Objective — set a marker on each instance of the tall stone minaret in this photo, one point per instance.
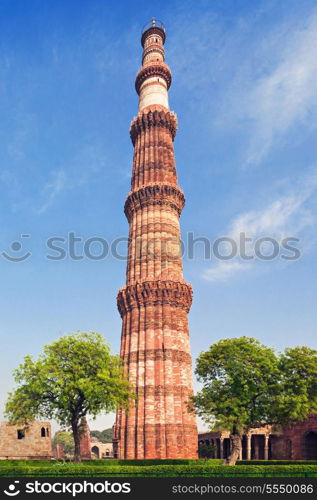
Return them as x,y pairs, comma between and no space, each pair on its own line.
155,301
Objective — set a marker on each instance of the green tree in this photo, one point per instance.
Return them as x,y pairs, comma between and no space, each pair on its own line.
104,436
75,376
246,385
65,438
298,372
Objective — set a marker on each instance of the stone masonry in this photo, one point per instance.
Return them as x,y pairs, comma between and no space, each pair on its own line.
101,450
155,301
298,441
31,443
295,442
85,441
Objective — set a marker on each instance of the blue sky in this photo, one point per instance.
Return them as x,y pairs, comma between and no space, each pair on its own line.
245,92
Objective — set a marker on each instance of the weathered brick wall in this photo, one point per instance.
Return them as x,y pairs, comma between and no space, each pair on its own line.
85,443
297,436
33,445
59,452
281,447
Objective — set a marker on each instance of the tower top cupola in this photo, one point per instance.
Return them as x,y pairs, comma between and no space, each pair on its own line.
155,27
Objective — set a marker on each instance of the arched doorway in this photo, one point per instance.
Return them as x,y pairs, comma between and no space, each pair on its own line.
311,446
95,451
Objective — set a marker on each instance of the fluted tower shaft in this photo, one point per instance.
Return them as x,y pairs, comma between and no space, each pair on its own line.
155,301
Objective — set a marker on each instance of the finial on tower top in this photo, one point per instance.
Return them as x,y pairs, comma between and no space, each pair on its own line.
154,26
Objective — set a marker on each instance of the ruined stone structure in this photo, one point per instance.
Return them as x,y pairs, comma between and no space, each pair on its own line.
297,442
85,442
156,300
256,444
58,452
101,450
23,444
91,447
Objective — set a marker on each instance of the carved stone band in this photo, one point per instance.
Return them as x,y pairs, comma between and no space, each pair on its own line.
154,292
154,116
164,390
147,71
158,354
155,194
154,47
155,429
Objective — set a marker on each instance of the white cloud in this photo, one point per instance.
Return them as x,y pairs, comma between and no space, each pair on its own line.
261,82
52,189
275,88
287,95
287,216
224,270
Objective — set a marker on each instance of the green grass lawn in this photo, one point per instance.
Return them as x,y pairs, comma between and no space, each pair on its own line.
153,468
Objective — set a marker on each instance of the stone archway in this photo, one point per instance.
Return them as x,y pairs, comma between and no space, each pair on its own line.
311,446
95,451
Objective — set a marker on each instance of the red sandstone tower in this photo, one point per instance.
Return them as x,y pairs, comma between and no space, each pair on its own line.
156,300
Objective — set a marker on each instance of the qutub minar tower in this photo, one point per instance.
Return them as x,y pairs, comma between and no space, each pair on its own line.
156,300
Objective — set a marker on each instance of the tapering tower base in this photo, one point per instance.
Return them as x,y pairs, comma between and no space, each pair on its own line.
155,350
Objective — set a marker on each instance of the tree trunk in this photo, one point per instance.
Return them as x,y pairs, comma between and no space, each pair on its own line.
76,436
235,450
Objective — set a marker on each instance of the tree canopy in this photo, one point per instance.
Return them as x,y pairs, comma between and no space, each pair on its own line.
298,374
247,385
75,376
65,438
104,436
